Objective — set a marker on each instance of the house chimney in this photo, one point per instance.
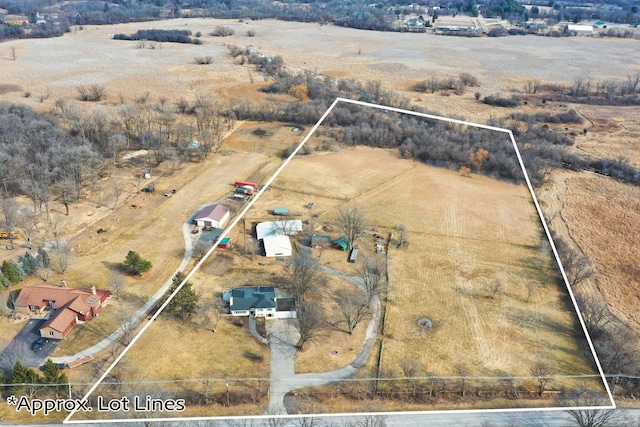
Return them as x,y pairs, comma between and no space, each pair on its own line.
93,289
63,283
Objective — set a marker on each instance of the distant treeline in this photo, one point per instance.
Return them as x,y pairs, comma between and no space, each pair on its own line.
173,36
359,14
432,142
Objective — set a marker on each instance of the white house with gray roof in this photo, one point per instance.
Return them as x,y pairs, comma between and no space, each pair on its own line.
261,301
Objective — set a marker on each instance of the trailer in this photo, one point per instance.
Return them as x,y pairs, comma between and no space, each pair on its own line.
353,256
246,184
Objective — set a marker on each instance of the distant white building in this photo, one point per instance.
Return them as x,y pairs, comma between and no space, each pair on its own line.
584,30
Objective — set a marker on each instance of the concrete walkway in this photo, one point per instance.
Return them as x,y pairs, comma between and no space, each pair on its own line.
282,339
143,311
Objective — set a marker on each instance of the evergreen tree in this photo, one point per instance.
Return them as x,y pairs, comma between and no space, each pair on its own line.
9,272
135,264
4,281
21,375
186,300
21,273
28,262
53,374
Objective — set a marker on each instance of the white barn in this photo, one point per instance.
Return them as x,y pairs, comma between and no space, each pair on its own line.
215,215
275,236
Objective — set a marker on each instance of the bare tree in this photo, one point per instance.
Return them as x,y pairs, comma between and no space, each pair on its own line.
542,372
577,268
595,314
60,257
303,274
411,368
116,281
126,320
493,287
93,93
209,314
462,370
15,351
309,323
354,307
9,209
26,222
593,417
371,274
403,235
618,349
117,191
352,222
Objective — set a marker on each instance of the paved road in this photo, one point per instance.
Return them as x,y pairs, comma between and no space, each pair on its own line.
144,310
497,419
282,337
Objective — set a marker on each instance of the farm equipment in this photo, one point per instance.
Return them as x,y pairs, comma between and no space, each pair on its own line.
9,234
149,188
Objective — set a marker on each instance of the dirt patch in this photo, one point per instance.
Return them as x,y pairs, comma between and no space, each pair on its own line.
425,323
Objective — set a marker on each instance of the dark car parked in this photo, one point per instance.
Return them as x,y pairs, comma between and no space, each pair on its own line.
36,346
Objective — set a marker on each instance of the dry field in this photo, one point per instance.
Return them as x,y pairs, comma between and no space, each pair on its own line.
464,232
50,70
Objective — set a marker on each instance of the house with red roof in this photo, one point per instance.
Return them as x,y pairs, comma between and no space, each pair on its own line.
63,307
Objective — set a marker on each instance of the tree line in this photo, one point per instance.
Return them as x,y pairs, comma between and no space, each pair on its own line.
170,36
354,14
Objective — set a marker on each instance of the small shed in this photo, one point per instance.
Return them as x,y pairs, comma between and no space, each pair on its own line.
341,243
225,243
281,211
318,241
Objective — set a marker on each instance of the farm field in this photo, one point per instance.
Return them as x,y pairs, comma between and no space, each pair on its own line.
465,233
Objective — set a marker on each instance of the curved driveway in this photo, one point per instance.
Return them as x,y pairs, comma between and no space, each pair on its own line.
143,311
283,336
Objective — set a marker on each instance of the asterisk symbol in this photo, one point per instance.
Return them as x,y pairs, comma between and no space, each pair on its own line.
12,400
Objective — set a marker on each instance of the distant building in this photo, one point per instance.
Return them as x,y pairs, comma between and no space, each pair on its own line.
16,19
262,301
62,307
215,215
581,30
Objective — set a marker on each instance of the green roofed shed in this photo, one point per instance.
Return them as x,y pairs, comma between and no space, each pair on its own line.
281,211
341,243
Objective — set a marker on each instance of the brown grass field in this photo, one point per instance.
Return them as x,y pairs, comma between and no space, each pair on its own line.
464,231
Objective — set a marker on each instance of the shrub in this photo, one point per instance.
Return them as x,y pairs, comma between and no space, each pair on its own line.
498,101
250,33
222,31
203,60
93,93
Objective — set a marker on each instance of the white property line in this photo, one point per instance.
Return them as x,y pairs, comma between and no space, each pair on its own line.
612,405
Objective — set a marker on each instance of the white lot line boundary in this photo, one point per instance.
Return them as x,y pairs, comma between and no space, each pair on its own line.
612,405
